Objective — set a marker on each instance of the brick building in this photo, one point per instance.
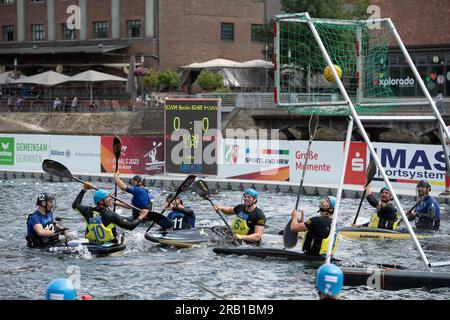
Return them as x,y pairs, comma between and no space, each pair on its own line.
424,28
162,34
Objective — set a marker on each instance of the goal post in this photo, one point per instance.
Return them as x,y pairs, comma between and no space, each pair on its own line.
352,58
358,49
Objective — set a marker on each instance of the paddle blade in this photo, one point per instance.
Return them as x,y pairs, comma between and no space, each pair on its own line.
313,123
201,188
290,238
56,168
370,172
160,220
186,183
117,147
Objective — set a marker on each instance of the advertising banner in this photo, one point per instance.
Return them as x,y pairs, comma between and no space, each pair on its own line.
79,154
23,152
256,159
325,161
140,155
408,163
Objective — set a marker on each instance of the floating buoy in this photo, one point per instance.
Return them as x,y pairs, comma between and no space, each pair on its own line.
61,289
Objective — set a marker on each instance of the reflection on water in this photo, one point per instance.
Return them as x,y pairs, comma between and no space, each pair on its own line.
147,271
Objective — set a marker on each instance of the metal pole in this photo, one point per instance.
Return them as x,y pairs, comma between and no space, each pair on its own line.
277,66
445,149
359,65
419,79
339,192
367,140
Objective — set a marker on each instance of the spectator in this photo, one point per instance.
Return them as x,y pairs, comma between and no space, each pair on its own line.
74,105
93,106
57,105
19,102
10,104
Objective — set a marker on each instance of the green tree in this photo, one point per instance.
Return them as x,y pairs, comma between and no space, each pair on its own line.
151,80
210,81
168,80
326,9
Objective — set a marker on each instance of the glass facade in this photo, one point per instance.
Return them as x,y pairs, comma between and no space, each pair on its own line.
433,67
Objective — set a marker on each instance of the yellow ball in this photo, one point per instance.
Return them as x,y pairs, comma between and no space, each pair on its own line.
329,75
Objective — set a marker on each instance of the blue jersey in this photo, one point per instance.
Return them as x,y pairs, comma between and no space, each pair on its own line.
428,212
38,218
141,197
182,220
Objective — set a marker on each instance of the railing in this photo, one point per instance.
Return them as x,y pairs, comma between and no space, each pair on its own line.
229,102
82,106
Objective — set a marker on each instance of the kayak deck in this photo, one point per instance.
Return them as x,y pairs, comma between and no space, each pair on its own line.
95,249
365,233
395,279
187,238
270,253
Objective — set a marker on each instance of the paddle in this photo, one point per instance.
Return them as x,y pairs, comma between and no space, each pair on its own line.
401,220
290,238
58,169
370,174
117,149
201,188
183,186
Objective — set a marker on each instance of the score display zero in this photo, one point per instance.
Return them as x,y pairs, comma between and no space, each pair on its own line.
194,125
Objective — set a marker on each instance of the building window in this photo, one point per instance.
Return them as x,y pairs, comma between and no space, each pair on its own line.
257,33
68,34
8,33
37,32
6,1
134,28
101,29
227,31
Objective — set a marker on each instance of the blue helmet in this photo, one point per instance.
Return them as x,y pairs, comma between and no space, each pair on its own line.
251,192
332,201
329,279
100,195
61,289
424,183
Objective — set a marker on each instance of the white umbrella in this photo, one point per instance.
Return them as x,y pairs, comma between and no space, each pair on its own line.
258,63
95,76
7,77
48,78
215,63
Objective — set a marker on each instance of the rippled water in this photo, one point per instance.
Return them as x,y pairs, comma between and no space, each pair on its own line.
147,271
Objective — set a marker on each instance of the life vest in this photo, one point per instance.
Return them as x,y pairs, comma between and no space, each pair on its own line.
239,224
96,231
377,222
320,245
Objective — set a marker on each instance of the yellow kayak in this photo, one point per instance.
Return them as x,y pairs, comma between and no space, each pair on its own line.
365,233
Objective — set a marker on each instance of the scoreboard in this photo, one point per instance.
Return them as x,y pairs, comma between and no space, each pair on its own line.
192,130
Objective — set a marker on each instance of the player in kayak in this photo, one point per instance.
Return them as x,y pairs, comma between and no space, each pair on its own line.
100,221
249,223
42,230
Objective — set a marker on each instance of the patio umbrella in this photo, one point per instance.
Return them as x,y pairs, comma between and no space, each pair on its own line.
8,77
48,78
92,76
